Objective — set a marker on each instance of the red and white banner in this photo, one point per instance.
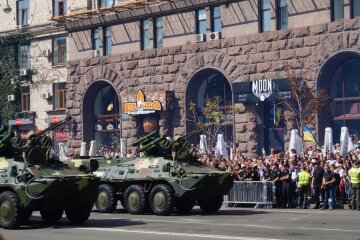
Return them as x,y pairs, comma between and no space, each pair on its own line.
60,136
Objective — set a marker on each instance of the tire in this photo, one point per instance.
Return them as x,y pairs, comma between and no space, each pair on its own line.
11,213
162,200
211,205
79,214
135,199
106,200
184,205
51,216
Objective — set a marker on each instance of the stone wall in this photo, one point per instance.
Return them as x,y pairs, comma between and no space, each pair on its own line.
245,58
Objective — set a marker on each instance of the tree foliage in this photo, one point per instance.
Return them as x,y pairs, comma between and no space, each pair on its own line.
212,117
9,72
305,102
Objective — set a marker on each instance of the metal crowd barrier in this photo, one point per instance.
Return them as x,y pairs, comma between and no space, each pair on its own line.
258,193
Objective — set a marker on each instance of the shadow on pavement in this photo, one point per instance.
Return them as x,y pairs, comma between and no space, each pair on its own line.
36,222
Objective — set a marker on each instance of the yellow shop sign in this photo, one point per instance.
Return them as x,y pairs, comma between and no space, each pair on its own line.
142,107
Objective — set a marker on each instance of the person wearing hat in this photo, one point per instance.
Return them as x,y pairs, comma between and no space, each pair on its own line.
275,176
316,183
286,181
303,182
354,175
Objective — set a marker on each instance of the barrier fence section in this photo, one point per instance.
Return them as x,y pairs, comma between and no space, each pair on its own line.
258,193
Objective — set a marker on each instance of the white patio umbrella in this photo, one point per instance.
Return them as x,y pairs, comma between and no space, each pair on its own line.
221,147
203,144
123,147
232,153
346,144
328,141
92,152
83,149
296,143
62,155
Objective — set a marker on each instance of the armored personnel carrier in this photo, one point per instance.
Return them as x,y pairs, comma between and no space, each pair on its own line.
167,177
30,179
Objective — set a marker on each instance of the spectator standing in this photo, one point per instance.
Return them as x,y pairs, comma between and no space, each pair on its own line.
328,187
286,180
354,175
303,187
275,176
318,174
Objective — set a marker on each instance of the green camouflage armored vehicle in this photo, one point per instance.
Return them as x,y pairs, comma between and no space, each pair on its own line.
30,179
167,177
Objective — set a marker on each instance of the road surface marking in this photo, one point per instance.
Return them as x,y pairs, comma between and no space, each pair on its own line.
191,235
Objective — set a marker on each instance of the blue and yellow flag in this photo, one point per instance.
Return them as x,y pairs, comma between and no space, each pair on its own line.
308,136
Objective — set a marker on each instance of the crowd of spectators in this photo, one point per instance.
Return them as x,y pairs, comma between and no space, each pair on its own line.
328,175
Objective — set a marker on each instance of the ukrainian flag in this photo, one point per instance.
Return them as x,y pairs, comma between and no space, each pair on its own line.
308,136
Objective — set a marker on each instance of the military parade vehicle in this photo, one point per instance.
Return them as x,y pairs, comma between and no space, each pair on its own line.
168,176
31,179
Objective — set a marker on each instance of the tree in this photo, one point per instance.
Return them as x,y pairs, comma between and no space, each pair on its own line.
305,102
212,117
10,79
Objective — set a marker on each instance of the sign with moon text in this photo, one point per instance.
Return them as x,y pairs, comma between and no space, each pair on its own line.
141,106
261,90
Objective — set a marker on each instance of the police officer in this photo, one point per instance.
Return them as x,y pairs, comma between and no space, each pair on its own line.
354,175
286,180
275,176
303,182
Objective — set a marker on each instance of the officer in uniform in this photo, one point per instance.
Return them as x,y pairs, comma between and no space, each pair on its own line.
303,182
275,176
354,175
286,180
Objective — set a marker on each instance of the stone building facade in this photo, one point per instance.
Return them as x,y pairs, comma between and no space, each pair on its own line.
312,44
37,109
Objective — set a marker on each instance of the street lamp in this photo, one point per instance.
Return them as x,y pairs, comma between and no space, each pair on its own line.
7,8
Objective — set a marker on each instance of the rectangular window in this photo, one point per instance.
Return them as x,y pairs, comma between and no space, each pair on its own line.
107,41
159,32
95,39
25,98
200,21
105,3
59,51
24,56
23,12
59,96
59,7
216,19
337,9
145,34
355,8
265,15
281,14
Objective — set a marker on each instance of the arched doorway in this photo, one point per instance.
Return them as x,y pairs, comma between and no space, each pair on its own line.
205,85
340,76
101,116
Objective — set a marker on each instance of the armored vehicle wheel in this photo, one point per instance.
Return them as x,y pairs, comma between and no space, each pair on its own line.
184,205
51,216
162,200
11,214
106,201
27,214
135,199
212,204
79,214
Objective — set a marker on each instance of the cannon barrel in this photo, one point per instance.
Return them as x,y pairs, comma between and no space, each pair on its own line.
152,144
145,138
37,136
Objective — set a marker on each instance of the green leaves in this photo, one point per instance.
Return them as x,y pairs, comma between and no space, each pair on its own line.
9,72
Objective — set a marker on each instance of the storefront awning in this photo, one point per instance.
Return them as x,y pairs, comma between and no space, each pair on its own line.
20,122
55,119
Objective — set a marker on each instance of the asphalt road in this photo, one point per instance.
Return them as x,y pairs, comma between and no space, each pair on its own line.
235,224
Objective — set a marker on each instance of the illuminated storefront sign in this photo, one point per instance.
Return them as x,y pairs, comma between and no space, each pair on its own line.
141,106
